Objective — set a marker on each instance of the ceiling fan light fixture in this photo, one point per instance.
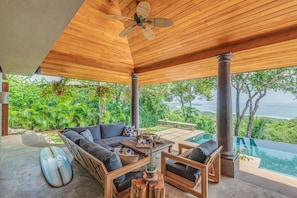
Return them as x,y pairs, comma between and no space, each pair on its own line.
142,11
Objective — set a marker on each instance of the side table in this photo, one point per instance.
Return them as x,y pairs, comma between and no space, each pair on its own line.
141,188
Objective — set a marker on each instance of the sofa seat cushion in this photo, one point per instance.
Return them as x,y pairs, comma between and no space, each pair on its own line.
111,130
113,141
201,153
73,136
111,160
121,186
95,131
180,169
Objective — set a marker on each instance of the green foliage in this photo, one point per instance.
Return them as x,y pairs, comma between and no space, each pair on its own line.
38,105
259,128
151,104
155,129
42,105
206,123
283,131
184,92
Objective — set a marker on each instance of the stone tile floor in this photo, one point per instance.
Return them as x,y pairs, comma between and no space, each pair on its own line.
21,177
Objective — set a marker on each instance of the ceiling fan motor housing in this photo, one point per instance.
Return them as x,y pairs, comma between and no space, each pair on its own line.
138,19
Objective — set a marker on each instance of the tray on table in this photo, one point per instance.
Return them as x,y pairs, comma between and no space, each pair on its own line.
147,145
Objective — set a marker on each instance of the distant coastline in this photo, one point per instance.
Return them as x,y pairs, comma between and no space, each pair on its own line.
267,109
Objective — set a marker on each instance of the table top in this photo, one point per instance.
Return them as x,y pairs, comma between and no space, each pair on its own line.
145,151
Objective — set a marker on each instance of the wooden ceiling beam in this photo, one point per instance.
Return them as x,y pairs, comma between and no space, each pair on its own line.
245,44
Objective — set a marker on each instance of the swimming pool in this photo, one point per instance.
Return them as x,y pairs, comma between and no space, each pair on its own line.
275,156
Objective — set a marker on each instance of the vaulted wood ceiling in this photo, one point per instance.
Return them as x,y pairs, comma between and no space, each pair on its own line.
260,34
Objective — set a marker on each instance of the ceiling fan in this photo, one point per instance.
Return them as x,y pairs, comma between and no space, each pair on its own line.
142,11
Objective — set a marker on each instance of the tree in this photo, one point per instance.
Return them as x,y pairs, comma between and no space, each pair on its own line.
151,104
255,86
186,91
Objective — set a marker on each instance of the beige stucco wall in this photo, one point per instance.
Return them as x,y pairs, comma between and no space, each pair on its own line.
0,119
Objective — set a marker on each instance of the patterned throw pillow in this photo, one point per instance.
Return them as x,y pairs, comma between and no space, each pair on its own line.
128,131
87,135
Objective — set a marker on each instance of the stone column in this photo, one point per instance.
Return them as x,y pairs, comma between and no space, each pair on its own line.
230,160
134,102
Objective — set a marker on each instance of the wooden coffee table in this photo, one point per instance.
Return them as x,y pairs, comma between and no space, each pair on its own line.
165,145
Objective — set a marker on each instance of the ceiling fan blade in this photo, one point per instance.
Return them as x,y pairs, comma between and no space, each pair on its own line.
121,18
148,33
143,9
160,22
128,30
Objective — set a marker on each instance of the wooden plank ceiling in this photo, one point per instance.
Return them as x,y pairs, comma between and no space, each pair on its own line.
260,34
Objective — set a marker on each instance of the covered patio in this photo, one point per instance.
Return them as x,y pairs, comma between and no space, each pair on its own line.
23,177
208,38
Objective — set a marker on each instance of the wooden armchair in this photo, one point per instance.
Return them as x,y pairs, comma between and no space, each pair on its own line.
178,169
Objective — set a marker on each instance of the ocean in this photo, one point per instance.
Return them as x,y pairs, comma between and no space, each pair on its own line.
285,110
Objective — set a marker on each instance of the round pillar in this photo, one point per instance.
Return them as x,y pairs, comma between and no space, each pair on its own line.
224,105
134,102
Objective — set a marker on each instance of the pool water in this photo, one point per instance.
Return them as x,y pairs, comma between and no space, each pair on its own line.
275,156
199,139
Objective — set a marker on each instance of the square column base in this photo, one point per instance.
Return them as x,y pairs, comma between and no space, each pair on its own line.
230,166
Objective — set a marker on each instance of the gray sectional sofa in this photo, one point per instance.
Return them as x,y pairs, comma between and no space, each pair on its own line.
91,147
106,135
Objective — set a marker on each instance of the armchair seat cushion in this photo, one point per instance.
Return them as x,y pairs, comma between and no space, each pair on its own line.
180,169
120,186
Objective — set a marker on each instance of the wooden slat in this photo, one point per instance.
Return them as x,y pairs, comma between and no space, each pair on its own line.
261,35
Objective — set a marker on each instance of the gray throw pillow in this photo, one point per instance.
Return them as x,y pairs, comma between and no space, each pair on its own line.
87,135
111,130
110,159
95,131
73,136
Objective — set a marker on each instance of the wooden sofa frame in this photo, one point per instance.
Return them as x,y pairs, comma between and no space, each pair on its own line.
211,170
97,168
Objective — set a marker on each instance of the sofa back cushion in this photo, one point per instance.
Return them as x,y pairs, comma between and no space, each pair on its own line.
95,131
200,154
111,160
73,136
111,130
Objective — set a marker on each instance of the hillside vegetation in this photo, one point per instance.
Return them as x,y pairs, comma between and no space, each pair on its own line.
42,105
